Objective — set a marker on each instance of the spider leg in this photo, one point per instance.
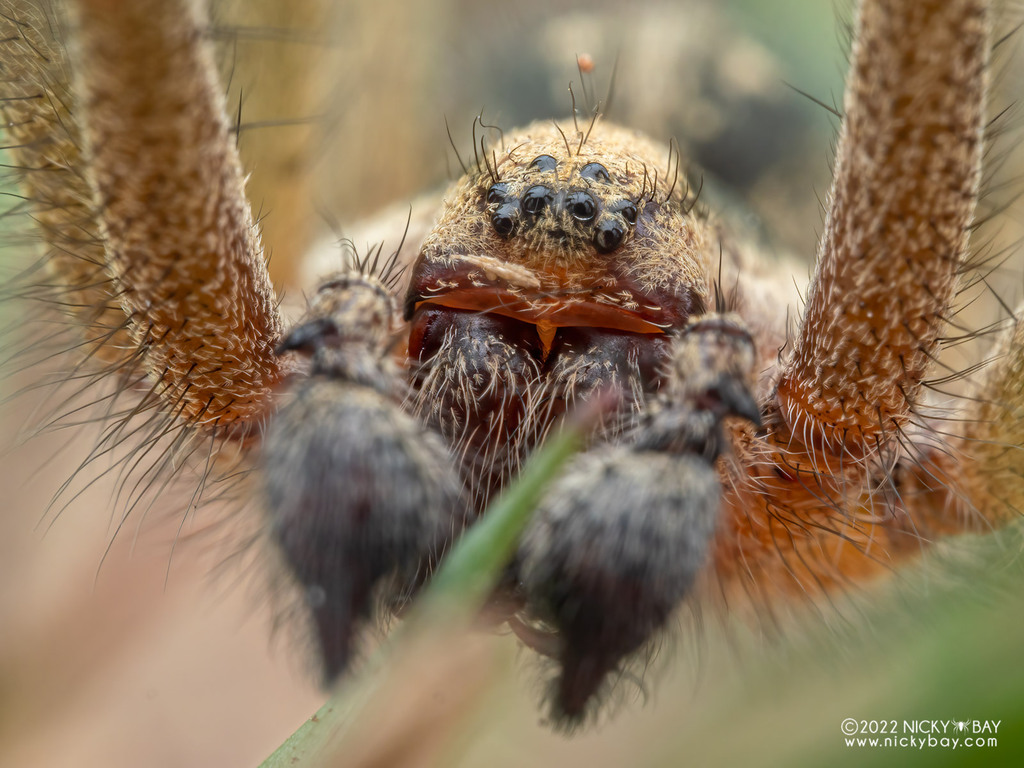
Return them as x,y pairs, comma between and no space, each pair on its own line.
45,143
186,269
978,480
814,503
901,205
994,432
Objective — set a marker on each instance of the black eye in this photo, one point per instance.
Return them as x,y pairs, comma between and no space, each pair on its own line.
536,198
628,211
497,193
581,206
608,236
504,219
595,172
544,163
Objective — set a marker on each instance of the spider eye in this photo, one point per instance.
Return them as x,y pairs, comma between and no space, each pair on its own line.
504,219
497,193
544,163
595,172
536,198
628,212
608,236
581,206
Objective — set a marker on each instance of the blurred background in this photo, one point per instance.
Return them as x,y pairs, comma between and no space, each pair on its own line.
140,658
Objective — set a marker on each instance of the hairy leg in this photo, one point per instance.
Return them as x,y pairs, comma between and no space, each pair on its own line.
813,504
115,189
45,142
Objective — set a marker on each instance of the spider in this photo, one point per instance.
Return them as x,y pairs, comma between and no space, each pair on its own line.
568,259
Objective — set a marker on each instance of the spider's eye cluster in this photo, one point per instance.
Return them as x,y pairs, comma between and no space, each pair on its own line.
506,213
611,229
581,210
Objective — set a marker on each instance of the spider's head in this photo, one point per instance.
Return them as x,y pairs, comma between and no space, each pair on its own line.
568,231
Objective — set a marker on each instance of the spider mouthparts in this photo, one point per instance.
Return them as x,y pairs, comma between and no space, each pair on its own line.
711,367
558,295
570,310
613,549
582,675
361,502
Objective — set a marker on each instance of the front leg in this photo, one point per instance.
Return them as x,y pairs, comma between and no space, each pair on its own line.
901,205
815,505
130,164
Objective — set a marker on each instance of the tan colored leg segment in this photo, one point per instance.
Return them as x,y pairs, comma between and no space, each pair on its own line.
903,198
44,143
181,245
813,503
993,433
